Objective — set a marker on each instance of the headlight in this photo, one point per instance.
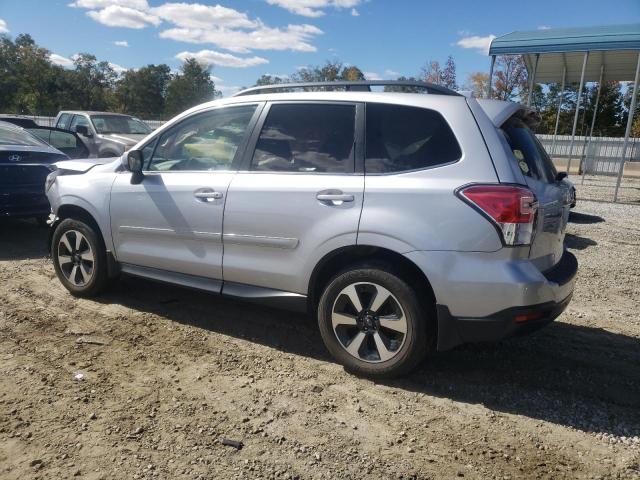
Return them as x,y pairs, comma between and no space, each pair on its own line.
51,178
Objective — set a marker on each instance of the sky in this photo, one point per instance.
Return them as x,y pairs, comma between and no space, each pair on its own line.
246,39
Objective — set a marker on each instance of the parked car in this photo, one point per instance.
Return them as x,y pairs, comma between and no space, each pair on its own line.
25,162
104,134
407,223
23,122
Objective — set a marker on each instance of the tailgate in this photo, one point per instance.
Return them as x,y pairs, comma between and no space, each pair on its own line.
542,178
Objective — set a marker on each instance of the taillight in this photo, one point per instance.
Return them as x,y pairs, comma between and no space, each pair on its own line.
512,209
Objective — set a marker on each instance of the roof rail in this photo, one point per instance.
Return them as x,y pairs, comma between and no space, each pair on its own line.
355,86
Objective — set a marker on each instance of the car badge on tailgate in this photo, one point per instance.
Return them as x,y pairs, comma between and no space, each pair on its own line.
14,158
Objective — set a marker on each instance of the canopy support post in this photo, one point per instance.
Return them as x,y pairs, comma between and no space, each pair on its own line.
555,131
493,61
627,132
593,124
532,84
575,118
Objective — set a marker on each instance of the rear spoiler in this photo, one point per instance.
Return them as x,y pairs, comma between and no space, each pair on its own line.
499,111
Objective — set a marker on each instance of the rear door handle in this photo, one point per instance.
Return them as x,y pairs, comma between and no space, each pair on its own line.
208,196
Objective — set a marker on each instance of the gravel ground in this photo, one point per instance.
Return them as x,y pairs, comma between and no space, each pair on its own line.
146,381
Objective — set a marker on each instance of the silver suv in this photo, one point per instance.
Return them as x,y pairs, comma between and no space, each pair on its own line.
105,134
406,222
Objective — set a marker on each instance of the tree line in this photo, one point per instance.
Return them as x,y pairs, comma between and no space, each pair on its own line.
30,83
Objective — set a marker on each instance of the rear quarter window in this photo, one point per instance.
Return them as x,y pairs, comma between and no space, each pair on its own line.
401,138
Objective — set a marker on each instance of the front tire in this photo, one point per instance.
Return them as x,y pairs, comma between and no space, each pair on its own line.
373,323
79,258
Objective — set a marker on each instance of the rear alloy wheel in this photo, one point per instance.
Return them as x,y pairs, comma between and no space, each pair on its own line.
79,257
372,322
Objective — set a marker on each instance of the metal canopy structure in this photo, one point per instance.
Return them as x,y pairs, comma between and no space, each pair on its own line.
577,55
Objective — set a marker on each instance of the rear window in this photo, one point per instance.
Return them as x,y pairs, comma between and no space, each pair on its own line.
531,156
401,138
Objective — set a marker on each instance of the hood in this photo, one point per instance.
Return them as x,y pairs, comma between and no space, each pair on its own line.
124,138
82,166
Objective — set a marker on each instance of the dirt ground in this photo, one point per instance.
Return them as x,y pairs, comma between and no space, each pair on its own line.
145,382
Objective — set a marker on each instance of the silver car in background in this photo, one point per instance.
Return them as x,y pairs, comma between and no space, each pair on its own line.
405,222
105,134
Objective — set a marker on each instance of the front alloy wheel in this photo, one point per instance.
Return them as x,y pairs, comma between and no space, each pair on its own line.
79,257
76,258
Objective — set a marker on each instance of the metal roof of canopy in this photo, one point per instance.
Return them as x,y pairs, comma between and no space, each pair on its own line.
616,47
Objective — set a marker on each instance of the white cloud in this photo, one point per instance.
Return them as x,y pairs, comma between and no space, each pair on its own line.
118,16
313,8
117,68
60,60
121,43
391,73
544,27
481,44
294,37
355,13
372,76
97,4
224,27
211,57
195,15
3,26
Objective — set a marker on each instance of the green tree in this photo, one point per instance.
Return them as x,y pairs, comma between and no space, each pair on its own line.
190,87
93,83
510,80
142,92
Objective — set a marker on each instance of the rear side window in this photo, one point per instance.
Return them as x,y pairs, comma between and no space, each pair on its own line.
401,138
63,121
532,158
307,138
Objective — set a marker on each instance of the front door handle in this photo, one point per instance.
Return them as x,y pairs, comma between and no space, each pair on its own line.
208,196
334,197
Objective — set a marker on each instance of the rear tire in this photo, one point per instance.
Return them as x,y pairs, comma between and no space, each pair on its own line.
386,334
79,258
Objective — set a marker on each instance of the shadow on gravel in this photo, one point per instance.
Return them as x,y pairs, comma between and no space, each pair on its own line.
577,242
584,218
22,239
580,377
576,376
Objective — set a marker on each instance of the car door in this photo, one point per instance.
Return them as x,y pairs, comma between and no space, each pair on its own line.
297,196
88,141
66,141
171,221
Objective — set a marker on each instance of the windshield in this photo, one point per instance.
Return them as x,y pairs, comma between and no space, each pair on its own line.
119,124
532,158
10,135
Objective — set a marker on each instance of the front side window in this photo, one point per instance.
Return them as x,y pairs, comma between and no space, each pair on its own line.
401,138
307,138
203,142
79,120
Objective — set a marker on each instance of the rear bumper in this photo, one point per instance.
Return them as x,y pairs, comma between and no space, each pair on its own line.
485,297
453,331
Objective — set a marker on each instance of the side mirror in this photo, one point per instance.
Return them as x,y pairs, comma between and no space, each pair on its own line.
134,163
561,176
84,131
